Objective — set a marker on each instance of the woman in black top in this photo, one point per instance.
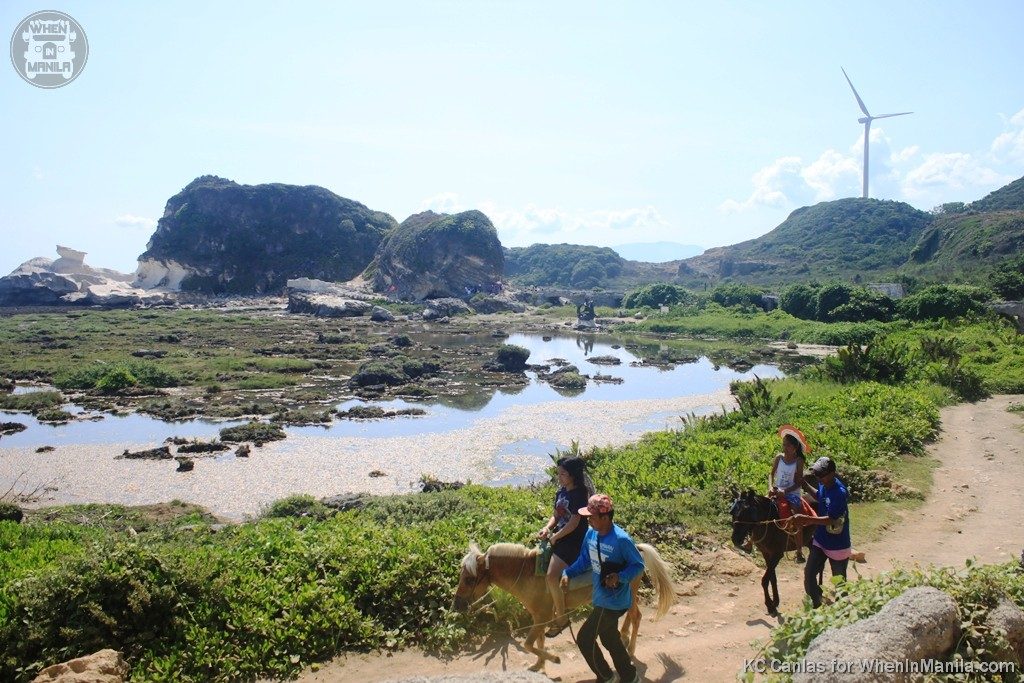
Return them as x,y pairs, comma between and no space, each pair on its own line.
565,531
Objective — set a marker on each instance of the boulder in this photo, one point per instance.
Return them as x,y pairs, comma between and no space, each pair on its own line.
217,236
1007,617
923,623
446,307
10,512
437,255
327,305
496,304
105,666
346,501
381,315
161,453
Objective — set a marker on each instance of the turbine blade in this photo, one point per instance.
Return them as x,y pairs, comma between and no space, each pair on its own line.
885,116
859,100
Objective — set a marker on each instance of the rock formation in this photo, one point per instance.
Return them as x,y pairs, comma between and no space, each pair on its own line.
220,237
434,255
69,281
923,623
105,666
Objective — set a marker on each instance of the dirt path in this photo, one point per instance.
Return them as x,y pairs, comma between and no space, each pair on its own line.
974,511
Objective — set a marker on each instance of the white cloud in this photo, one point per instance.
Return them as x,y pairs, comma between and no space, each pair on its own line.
445,202
1009,145
127,220
905,154
533,223
940,174
831,172
770,186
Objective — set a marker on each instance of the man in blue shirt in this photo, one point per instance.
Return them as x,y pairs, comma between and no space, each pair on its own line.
612,557
832,537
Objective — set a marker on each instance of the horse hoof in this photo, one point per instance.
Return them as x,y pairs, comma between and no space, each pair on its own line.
556,659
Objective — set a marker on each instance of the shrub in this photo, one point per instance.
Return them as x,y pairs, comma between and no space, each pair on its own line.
380,371
116,380
257,432
297,506
756,398
660,294
829,297
943,301
512,357
1008,279
874,362
800,301
569,380
737,295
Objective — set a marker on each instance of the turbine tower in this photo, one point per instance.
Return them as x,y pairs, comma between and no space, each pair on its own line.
866,120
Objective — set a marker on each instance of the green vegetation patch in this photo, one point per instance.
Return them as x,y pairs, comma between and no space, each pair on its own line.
257,432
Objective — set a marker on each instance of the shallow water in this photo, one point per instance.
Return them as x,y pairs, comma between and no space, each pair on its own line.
444,413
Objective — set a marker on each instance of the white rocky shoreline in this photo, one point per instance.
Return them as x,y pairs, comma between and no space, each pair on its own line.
235,488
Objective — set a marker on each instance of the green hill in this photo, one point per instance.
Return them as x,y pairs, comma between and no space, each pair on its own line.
963,246
838,239
1007,198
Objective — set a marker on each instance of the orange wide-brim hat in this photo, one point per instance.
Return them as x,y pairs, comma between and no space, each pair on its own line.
796,434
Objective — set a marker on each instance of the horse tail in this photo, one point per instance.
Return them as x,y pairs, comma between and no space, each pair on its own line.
658,571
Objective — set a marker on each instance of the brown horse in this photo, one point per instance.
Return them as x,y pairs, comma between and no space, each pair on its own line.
758,517
510,566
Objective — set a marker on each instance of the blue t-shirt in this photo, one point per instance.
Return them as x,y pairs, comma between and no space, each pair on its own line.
832,503
616,546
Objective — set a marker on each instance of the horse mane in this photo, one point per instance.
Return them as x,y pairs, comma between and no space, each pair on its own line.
469,561
514,551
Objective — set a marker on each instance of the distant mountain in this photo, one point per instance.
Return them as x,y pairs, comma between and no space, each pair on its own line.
838,239
657,252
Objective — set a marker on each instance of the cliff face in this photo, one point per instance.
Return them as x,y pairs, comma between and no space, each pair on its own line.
221,237
435,255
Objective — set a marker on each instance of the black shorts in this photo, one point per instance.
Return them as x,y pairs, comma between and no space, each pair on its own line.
568,549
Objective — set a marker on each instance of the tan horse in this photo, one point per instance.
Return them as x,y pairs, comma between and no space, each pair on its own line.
510,566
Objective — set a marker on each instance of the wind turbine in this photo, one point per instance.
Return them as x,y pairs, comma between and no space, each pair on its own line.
866,120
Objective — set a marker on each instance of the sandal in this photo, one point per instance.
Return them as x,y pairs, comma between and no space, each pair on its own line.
556,628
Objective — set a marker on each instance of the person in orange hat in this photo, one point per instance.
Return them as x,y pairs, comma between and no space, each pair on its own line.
787,477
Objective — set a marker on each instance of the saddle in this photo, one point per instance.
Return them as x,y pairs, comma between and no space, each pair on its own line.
543,559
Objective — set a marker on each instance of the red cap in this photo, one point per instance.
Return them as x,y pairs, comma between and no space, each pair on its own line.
599,504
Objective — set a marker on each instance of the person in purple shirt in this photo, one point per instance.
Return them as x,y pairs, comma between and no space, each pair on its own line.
613,559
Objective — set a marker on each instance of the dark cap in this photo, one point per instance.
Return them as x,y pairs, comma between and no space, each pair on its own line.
823,465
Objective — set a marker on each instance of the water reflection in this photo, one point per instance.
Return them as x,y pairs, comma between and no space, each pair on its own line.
646,371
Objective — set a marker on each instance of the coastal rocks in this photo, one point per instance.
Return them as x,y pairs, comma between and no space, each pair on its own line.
605,360
509,358
160,453
376,413
434,255
326,305
923,623
217,236
8,428
446,307
1009,619
69,281
185,464
346,501
105,666
496,304
242,451
381,315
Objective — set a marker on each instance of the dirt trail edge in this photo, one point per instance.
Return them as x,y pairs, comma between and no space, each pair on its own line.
974,511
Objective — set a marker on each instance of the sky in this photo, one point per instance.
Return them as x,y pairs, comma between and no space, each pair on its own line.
585,122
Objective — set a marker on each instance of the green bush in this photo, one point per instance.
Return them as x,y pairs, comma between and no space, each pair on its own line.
569,380
943,301
874,362
656,295
118,376
387,371
297,506
512,357
257,432
735,294
32,402
1008,279
800,301
116,380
